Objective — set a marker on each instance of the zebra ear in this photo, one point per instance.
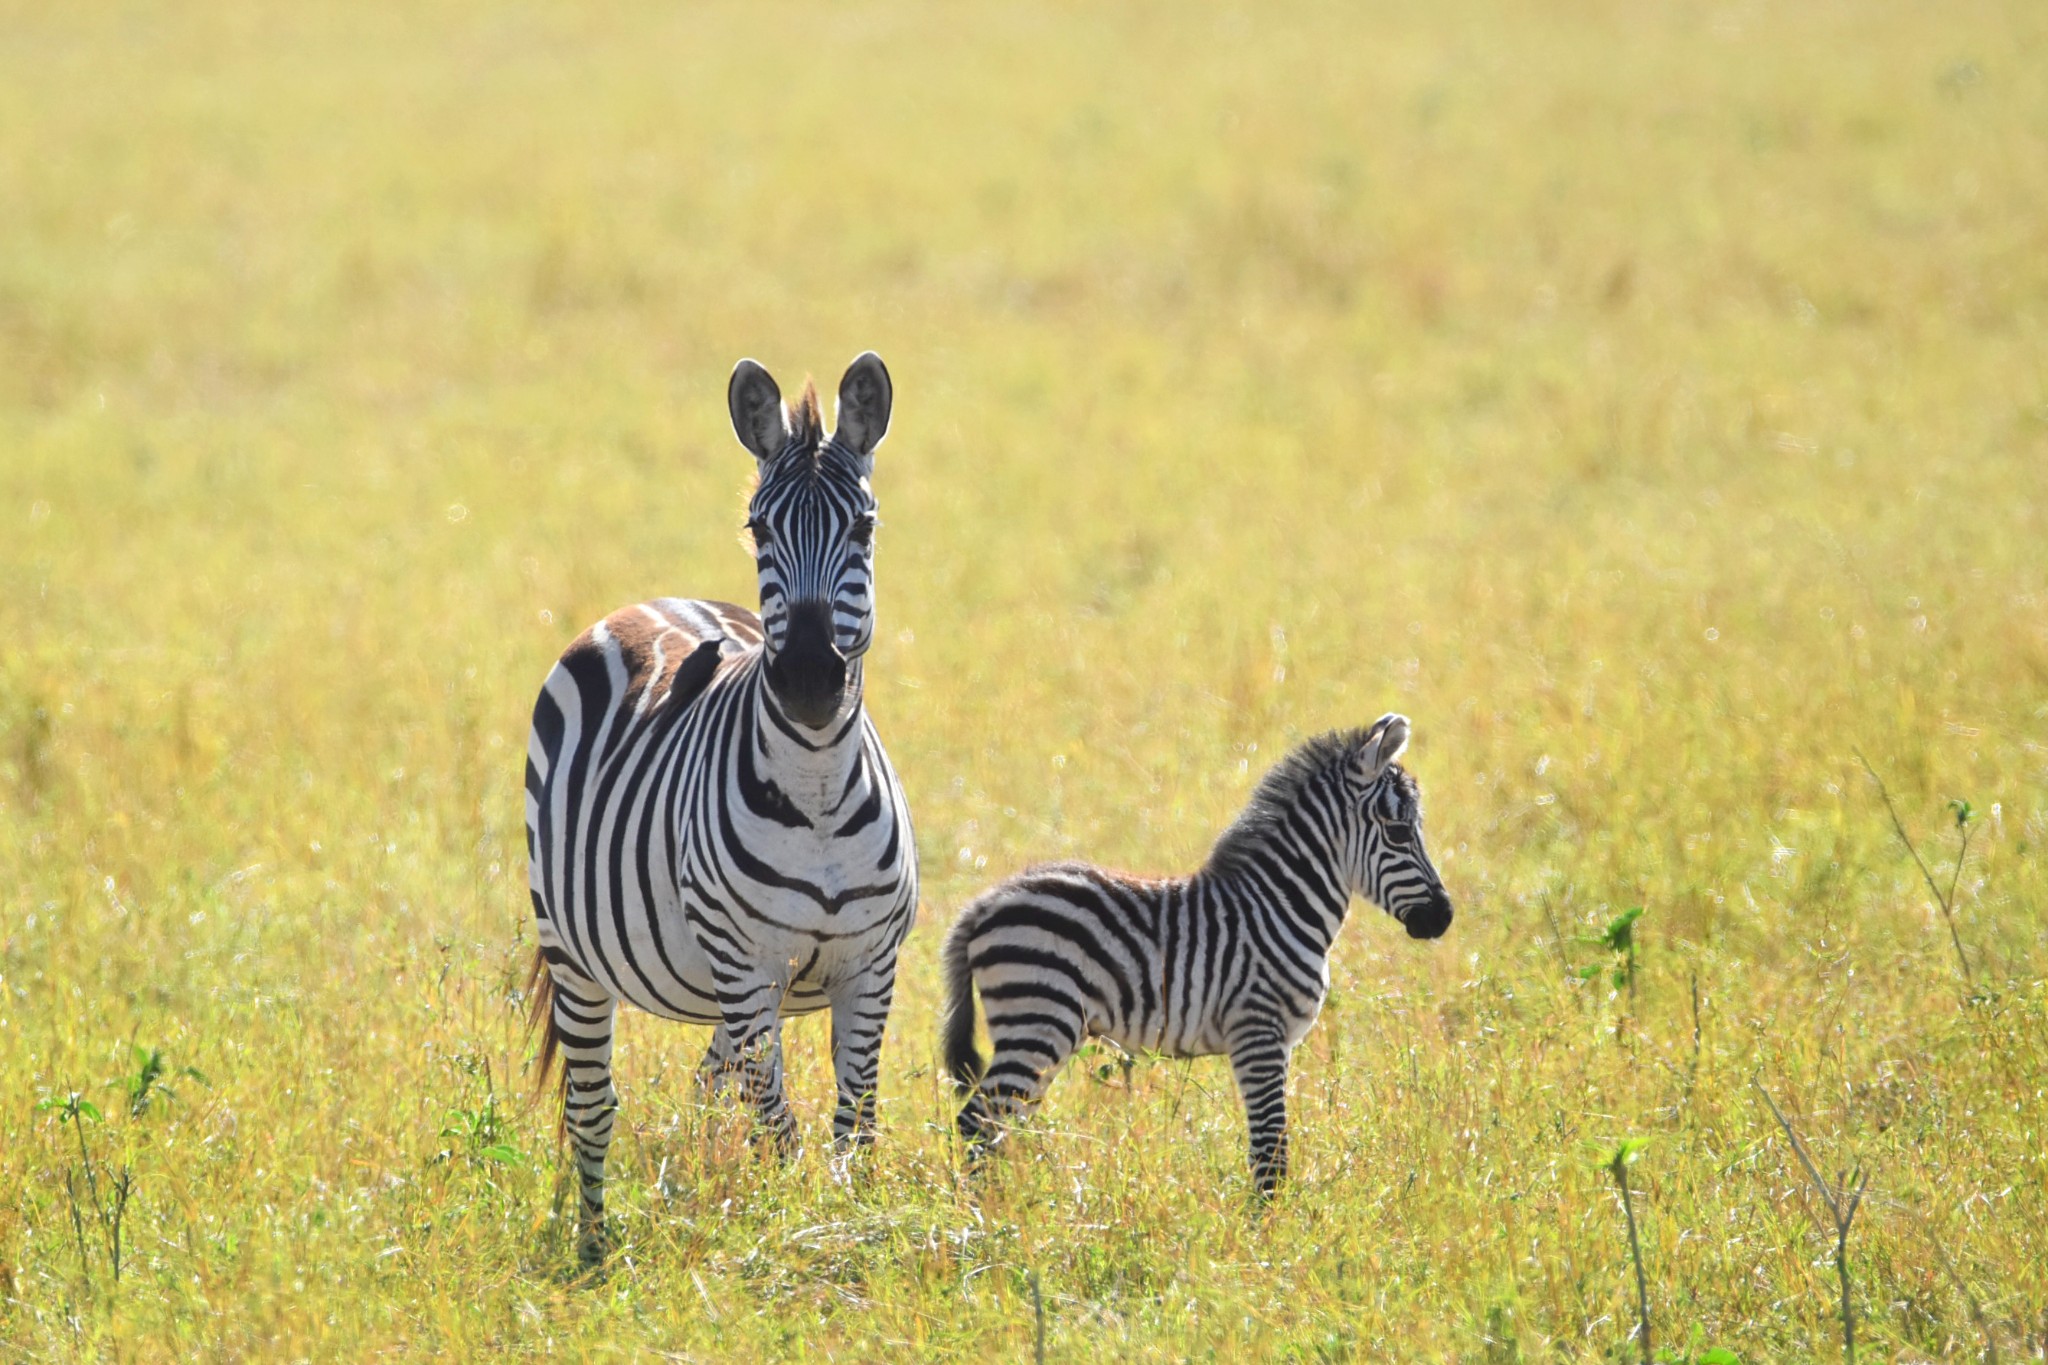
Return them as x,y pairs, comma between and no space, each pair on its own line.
865,397
1384,743
758,418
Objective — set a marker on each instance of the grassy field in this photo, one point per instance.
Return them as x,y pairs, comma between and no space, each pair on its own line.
1649,400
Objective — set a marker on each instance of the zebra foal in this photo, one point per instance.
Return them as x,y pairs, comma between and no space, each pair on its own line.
713,830
1232,960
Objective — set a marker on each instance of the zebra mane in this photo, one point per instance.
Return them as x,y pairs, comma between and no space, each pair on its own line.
806,421
1280,789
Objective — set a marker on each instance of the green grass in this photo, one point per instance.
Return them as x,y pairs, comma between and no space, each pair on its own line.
1649,400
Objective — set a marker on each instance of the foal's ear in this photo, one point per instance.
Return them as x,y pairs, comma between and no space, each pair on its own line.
1384,743
865,397
758,418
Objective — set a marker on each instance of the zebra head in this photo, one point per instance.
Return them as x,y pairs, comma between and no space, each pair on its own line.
812,517
1390,867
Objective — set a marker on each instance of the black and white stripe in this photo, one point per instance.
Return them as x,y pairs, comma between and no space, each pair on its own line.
714,832
1232,960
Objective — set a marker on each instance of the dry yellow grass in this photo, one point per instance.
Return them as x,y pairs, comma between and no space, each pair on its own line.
1648,400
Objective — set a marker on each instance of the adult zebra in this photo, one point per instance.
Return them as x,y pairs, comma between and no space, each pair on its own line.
1235,959
713,830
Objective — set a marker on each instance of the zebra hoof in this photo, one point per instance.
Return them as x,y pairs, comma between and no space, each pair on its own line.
978,1149
777,1140
593,1246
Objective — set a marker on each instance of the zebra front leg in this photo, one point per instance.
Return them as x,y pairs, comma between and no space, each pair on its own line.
753,1021
860,1009
1258,1057
583,1018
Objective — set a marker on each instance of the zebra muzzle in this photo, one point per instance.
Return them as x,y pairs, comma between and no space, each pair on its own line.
808,674
1430,919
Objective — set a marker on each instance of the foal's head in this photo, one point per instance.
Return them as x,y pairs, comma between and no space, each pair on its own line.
1389,864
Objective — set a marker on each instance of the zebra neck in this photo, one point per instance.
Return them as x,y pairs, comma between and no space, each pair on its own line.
814,770
1302,887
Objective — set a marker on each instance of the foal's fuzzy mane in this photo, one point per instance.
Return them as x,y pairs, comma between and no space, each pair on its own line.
807,419
1282,787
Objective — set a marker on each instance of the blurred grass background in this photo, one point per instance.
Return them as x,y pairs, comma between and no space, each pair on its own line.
1648,400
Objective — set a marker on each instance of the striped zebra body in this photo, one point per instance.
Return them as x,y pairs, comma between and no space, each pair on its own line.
1233,960
714,831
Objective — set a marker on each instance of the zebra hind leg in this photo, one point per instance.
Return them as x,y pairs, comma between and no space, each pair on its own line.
1030,1046
582,1020
716,1072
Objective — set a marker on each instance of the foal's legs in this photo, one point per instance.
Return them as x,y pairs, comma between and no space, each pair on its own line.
1258,1056
1033,1038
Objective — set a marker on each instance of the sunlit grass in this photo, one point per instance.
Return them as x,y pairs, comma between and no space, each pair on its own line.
1648,401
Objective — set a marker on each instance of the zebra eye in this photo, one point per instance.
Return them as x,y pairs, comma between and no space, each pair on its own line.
863,532
758,529
1399,833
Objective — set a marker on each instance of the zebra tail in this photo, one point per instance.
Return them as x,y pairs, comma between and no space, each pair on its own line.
540,985
963,1058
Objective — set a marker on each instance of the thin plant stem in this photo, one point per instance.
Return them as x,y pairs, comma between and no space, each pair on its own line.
92,1186
1842,1267
1635,1252
1564,964
1947,903
77,1226
1038,1314
110,1231
1841,1207
122,1189
1976,1310
1693,979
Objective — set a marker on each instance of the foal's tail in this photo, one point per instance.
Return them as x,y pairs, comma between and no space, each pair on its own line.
963,1059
